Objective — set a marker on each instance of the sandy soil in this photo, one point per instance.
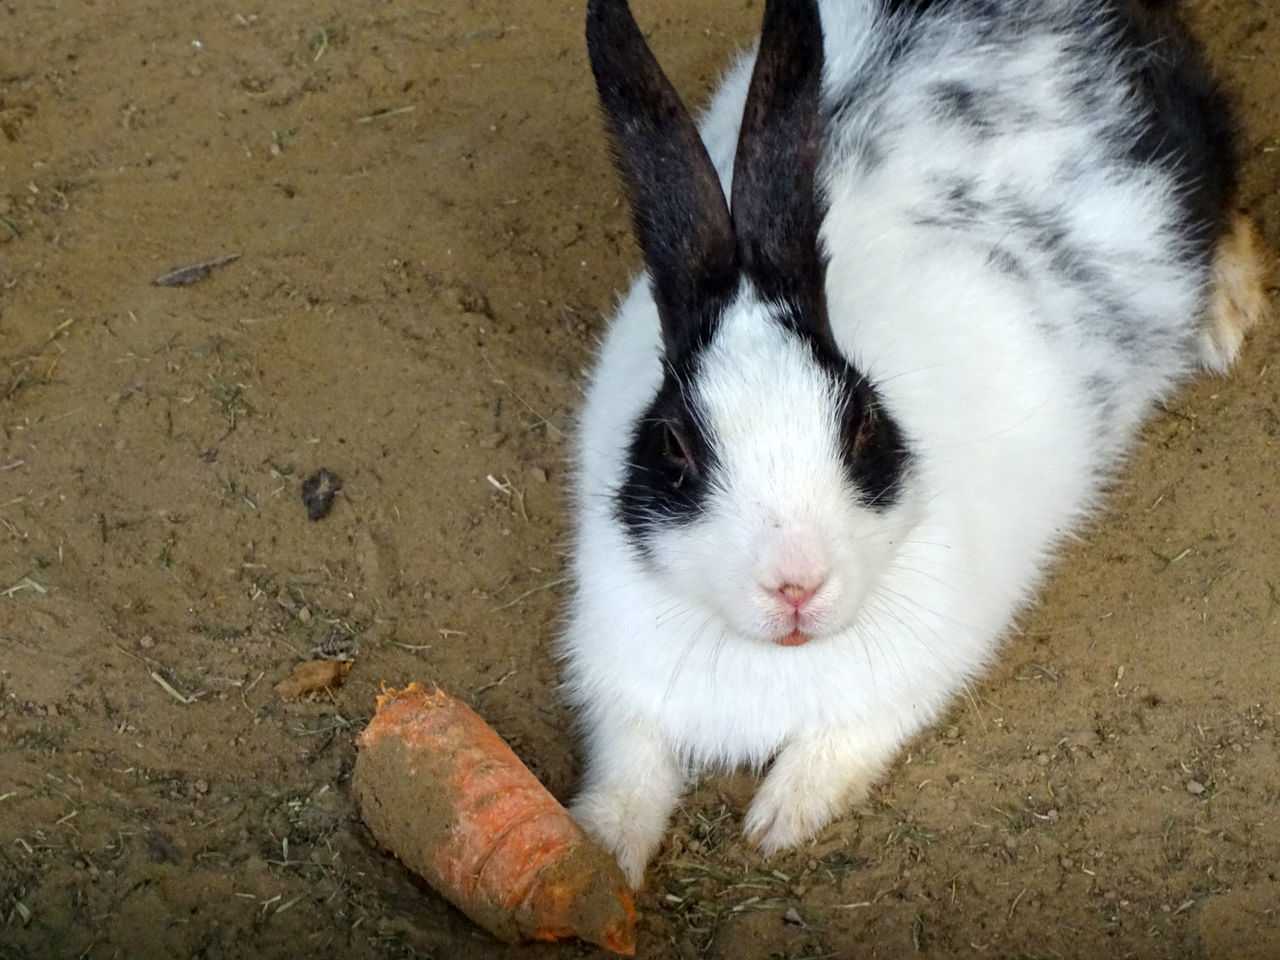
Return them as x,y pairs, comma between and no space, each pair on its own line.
429,234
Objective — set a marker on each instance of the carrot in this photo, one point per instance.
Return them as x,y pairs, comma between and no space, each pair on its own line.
441,790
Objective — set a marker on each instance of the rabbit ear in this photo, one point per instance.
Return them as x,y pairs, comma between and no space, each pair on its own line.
679,211
776,212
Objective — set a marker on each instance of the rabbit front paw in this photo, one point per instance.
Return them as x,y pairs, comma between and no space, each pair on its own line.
813,781
629,824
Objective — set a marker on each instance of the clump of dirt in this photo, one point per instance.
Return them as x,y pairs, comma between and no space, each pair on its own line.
429,233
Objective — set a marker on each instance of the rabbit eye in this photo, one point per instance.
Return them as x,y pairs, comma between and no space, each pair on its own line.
675,450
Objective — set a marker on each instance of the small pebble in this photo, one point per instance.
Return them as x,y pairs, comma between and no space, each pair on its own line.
1195,787
146,641
318,491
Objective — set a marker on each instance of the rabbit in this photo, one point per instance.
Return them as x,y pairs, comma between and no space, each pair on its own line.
910,288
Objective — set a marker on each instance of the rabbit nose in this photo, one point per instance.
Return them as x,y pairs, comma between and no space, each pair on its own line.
797,595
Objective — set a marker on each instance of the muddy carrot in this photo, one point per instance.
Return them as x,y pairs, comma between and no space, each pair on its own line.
441,790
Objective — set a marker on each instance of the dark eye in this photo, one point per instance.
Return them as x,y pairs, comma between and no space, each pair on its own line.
675,449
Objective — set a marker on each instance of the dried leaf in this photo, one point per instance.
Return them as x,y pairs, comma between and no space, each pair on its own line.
313,676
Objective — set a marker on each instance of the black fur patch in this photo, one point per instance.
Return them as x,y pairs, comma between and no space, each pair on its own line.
980,111
916,7
1189,124
955,205
1007,262
871,443
964,105
875,454
662,489
670,462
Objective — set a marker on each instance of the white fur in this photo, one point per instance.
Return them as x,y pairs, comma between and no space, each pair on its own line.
671,659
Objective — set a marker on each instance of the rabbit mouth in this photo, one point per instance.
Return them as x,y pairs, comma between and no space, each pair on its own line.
800,613
793,639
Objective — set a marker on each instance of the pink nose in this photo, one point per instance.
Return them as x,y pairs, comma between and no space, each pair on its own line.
796,595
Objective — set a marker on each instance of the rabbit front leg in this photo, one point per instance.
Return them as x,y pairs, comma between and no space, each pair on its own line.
817,777
632,783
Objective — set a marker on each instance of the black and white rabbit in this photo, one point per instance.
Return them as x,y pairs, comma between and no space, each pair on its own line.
839,425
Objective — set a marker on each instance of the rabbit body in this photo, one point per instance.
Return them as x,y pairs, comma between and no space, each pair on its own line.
1018,236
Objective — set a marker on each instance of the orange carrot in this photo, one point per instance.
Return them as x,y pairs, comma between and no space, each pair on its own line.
442,791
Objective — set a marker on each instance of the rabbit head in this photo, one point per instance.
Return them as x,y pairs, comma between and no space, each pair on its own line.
764,482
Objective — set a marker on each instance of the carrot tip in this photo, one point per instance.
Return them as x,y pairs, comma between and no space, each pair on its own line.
620,939
442,790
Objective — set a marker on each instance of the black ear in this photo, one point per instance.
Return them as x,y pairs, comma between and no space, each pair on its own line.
776,210
678,208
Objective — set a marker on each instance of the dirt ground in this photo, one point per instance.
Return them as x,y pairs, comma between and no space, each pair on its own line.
429,233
